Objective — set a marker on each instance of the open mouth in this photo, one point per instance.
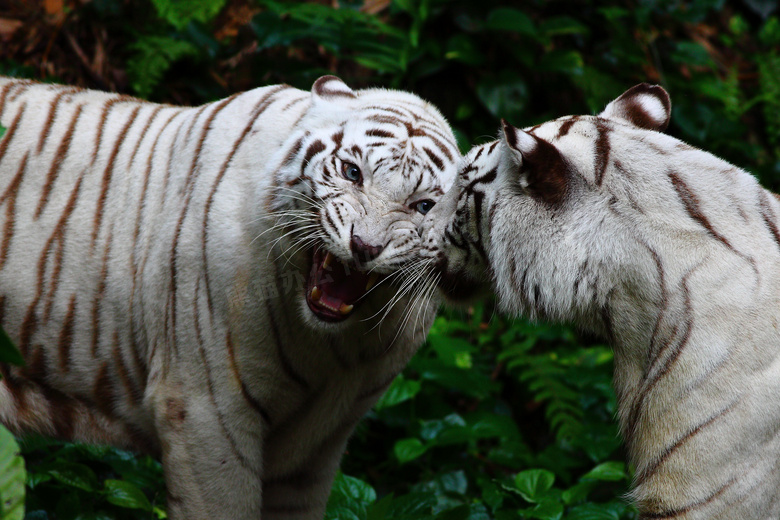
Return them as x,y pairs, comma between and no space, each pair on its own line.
334,288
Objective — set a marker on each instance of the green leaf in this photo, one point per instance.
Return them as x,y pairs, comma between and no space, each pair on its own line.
2,131
691,53
408,449
563,25
354,489
592,512
400,390
456,513
12,477
153,56
74,475
534,483
505,97
508,19
125,494
8,352
181,12
612,471
546,510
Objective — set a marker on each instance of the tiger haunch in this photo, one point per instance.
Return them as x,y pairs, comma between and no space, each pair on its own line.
157,268
667,251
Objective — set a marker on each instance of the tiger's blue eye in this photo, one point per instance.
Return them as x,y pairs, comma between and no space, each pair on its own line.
423,206
351,172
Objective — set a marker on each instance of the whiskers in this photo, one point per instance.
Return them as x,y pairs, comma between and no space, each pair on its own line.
419,279
294,228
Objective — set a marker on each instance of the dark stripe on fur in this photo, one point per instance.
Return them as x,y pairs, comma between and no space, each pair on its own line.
602,151
109,171
249,398
692,206
59,157
653,466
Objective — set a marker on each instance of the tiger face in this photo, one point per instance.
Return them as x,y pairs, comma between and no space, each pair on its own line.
352,188
531,216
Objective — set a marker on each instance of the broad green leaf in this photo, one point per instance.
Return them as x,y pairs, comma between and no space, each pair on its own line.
533,483
508,19
400,390
408,449
2,131
74,475
610,471
12,477
563,25
457,513
545,510
125,494
412,505
592,512
379,509
8,352
354,489
341,513
505,97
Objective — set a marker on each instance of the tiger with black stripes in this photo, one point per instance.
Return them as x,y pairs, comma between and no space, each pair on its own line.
668,252
229,287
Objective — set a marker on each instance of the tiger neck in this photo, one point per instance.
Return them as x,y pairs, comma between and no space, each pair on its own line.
692,366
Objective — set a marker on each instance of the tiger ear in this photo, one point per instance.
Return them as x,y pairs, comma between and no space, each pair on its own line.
644,105
330,89
542,171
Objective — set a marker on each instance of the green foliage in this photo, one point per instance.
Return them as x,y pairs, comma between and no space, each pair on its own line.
508,420
12,473
494,418
152,57
8,352
12,478
72,481
181,12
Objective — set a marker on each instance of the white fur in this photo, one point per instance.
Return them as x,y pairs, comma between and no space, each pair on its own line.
197,265
674,257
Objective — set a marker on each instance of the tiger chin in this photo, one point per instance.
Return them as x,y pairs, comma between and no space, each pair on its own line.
229,287
669,253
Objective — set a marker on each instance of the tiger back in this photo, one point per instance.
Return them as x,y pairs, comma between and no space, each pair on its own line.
667,251
225,286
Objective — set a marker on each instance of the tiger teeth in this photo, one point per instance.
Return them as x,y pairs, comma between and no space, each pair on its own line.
372,278
328,260
316,294
345,309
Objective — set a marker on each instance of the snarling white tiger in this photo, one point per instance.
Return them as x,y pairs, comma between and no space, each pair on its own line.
229,286
670,253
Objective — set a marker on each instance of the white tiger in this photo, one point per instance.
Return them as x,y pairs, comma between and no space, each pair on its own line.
196,282
671,254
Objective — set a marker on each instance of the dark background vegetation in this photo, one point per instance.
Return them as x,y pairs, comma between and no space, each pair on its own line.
494,418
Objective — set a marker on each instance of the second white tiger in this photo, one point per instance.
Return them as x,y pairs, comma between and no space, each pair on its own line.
208,283
671,254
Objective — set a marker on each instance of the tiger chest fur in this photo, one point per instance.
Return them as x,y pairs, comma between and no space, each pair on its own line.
671,254
226,286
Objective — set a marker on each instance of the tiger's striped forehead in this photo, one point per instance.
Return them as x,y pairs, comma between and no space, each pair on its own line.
407,147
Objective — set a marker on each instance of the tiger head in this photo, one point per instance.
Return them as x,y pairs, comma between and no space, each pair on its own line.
353,184
540,214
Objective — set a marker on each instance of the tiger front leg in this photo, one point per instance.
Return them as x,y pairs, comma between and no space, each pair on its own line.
210,473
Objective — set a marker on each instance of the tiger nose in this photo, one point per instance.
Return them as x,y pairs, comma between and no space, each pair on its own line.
363,252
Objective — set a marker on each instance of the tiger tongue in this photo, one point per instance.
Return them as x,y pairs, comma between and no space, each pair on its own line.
339,283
